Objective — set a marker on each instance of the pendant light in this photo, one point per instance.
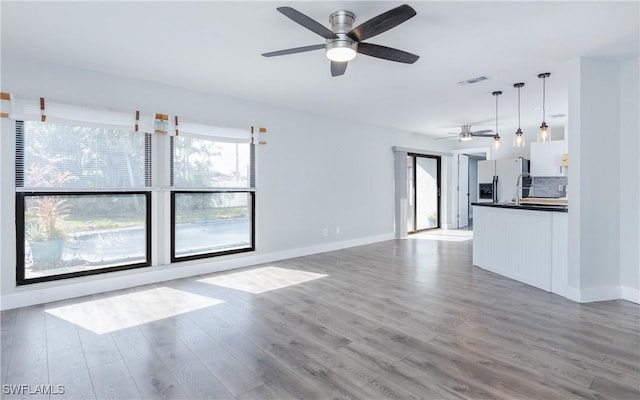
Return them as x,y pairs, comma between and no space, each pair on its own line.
518,138
496,137
544,134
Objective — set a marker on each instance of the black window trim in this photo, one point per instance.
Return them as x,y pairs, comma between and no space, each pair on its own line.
206,255
20,237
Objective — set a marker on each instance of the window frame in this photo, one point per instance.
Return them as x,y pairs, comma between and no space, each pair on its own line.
200,256
158,160
22,194
21,198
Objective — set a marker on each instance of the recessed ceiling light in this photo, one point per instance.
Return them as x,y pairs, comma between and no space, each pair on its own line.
473,80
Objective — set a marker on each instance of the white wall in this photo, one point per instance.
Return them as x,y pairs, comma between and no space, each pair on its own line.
574,172
314,173
604,177
599,150
630,175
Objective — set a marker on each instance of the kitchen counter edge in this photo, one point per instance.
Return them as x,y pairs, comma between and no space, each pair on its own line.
532,207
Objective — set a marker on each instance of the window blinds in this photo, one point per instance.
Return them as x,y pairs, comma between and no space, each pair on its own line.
54,156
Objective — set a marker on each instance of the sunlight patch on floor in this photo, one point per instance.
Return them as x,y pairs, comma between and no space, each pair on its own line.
262,280
444,235
124,311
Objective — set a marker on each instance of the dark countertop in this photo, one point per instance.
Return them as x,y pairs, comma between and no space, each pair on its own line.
534,207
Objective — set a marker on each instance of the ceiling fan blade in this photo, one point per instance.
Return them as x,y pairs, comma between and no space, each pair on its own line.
483,135
294,50
478,133
387,53
310,24
338,68
447,137
381,23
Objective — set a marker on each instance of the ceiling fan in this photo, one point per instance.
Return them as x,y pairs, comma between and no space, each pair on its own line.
343,41
466,134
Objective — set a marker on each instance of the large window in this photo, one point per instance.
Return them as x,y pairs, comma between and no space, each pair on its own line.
82,200
84,196
212,201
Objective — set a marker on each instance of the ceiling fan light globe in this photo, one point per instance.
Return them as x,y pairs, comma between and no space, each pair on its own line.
465,138
341,54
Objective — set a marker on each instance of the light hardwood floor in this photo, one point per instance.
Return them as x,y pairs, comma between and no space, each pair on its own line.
400,319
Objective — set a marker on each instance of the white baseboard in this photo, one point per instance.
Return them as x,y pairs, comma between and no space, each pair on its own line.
45,292
609,293
588,295
630,294
604,293
570,293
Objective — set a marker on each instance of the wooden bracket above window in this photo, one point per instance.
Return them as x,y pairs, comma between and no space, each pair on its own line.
161,124
5,96
43,116
260,130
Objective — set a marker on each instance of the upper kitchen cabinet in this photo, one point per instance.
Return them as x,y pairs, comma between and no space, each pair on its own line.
546,158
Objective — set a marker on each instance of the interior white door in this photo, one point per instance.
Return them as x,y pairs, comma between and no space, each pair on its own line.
463,190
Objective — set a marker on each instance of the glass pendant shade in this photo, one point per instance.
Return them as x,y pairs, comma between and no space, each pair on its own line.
496,141
518,139
544,134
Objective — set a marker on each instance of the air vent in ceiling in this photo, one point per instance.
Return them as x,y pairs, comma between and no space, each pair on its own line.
473,80
558,115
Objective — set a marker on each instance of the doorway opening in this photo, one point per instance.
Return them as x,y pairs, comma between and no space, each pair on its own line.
424,183
467,187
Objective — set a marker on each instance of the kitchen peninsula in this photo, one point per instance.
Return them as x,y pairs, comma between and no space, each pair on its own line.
524,242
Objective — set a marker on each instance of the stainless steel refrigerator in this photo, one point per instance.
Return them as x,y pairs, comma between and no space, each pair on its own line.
497,179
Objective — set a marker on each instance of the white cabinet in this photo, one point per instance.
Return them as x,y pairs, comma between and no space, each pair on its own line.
546,158
514,243
526,245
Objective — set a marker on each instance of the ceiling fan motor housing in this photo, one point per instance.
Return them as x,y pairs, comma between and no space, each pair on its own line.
341,24
342,21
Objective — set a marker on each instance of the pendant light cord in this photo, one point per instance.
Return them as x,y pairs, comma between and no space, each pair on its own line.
518,107
497,133
544,86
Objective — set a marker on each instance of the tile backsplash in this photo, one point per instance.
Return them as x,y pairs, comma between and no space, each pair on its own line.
549,186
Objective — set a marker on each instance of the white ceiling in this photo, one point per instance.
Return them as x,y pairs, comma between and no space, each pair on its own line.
216,46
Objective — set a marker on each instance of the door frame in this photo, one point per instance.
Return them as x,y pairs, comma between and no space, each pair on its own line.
438,159
454,201
463,208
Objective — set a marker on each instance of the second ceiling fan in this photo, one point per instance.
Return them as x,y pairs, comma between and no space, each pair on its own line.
466,134
343,41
